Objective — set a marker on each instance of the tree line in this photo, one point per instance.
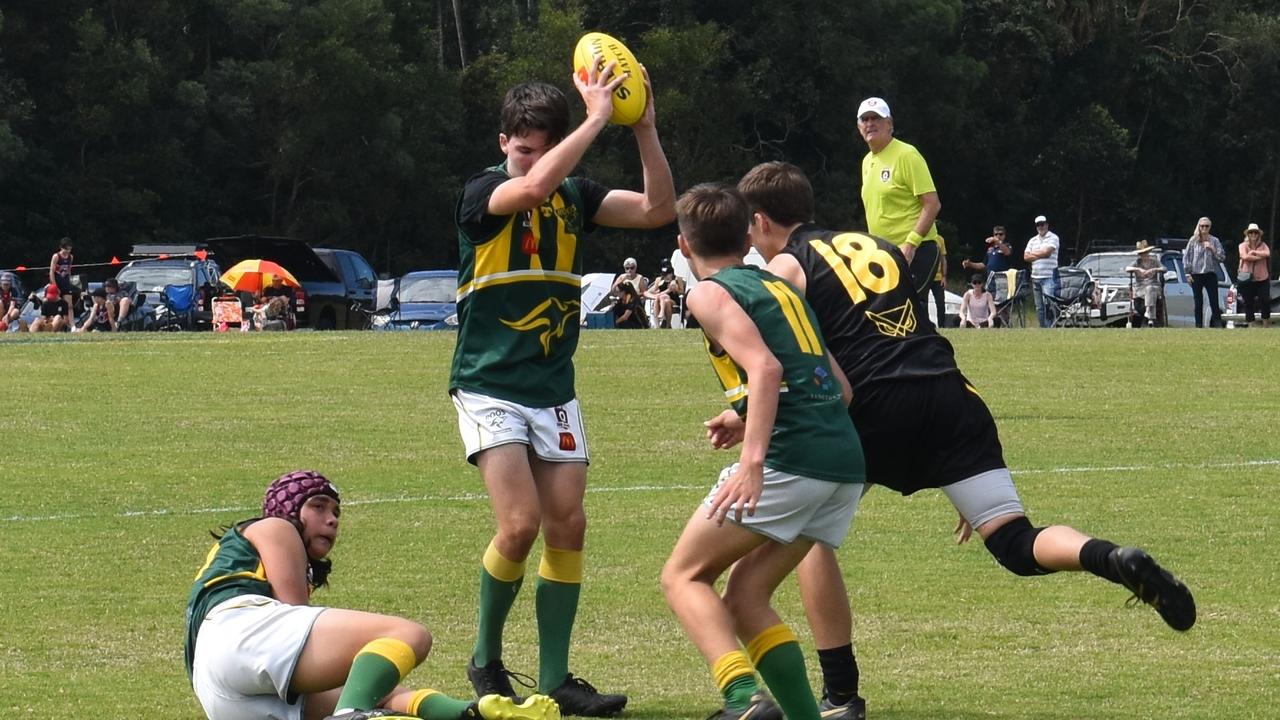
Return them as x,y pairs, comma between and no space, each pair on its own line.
354,123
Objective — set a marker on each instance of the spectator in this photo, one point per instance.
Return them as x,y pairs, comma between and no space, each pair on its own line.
1200,260
665,292
998,252
277,288
977,307
60,274
273,314
10,306
1148,284
257,648
1254,277
628,311
638,282
120,301
53,312
1042,253
938,287
101,316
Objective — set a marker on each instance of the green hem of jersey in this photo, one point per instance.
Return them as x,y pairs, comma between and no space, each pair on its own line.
506,398
861,478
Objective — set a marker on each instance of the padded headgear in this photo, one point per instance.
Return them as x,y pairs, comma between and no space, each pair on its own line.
288,493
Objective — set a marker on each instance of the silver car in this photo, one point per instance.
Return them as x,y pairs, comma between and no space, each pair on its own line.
1115,288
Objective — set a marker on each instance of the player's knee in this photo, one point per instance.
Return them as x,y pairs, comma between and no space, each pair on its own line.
413,634
1013,546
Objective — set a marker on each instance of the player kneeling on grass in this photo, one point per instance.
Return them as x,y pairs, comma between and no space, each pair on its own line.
256,650
798,478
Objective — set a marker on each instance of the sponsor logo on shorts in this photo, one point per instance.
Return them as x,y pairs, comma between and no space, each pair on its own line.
562,418
496,418
567,442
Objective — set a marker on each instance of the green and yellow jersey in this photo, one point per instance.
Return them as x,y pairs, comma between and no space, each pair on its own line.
232,568
812,434
519,289
892,182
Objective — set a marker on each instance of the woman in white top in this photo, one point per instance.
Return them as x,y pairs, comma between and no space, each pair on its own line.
978,307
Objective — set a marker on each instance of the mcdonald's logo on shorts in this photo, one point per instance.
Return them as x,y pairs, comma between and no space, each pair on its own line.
567,443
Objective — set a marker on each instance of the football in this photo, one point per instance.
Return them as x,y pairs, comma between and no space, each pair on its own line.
630,98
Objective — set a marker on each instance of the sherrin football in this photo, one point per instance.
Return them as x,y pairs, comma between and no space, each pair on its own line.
630,97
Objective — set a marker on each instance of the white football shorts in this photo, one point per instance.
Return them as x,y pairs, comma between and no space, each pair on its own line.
245,655
793,506
556,434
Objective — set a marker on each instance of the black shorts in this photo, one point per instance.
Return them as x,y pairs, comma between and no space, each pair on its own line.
925,433
64,284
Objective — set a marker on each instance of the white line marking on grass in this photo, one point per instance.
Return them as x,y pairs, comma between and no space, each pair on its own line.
471,497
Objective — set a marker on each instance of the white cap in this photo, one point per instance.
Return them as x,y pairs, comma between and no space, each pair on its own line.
874,105
1041,219
1253,227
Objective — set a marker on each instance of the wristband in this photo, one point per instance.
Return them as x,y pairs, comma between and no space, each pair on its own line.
914,238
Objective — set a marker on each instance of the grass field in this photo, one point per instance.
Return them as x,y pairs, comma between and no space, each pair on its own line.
122,452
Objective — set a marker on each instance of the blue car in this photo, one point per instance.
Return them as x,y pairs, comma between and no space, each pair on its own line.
422,300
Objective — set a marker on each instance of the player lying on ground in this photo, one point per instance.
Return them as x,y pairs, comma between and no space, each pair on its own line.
256,650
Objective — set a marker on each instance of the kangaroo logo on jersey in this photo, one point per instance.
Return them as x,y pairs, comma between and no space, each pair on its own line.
551,317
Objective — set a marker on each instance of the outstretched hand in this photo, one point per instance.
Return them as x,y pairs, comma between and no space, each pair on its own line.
597,87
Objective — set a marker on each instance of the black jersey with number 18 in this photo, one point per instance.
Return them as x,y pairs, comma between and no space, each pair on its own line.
857,285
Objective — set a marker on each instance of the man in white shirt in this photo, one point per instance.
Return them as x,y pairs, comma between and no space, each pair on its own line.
1042,253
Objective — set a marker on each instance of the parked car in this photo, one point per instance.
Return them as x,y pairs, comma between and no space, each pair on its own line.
422,300
356,274
151,273
1107,269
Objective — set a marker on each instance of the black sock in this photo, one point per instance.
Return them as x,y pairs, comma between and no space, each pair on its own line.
1095,557
839,673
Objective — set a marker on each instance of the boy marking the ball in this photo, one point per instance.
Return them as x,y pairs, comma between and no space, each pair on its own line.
512,381
798,478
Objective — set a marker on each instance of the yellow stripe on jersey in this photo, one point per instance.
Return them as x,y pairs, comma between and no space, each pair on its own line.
514,276
727,370
259,573
797,318
567,243
494,256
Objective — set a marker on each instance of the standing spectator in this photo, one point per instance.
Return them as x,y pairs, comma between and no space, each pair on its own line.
1148,281
998,252
1042,253
10,306
665,292
101,316
938,286
628,311
53,312
1254,277
978,307
521,232
632,277
1200,260
60,274
898,193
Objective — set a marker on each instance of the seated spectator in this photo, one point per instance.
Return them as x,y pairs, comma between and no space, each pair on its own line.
628,312
101,316
638,282
1148,284
53,312
665,292
10,307
273,314
121,301
977,307
277,288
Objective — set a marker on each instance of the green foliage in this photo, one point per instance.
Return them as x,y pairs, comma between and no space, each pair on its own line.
354,122
127,450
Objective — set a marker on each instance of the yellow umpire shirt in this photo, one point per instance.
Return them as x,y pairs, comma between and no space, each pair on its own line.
892,182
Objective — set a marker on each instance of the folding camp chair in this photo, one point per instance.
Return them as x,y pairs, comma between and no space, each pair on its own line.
1073,298
1010,290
